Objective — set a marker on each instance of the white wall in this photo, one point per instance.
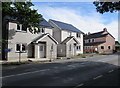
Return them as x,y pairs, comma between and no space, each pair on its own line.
20,37
64,35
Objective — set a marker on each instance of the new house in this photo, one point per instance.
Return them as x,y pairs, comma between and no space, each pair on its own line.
70,39
21,40
101,42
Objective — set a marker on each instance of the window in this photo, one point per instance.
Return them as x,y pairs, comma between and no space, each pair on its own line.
24,28
89,40
41,48
18,47
42,30
78,47
18,27
52,47
70,47
69,33
21,27
21,47
78,35
108,47
102,47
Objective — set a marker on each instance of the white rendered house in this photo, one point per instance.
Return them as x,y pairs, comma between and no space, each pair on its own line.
70,39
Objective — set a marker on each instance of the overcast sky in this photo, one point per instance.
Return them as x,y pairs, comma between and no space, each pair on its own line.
82,15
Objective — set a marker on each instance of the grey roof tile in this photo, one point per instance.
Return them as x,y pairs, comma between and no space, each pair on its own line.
67,39
95,35
44,23
66,26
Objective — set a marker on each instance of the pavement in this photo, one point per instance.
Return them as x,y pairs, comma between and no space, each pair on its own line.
64,73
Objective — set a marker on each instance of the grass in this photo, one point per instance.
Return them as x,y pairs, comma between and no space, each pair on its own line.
14,63
103,54
86,55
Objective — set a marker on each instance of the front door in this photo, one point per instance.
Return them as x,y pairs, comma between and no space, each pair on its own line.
41,50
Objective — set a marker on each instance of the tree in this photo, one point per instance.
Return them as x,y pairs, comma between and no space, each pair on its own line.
105,6
22,13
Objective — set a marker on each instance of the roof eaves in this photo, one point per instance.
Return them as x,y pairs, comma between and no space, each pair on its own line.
55,24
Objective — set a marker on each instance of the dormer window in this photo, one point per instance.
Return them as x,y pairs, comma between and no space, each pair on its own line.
78,35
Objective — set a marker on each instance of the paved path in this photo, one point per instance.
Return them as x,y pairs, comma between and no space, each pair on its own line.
71,72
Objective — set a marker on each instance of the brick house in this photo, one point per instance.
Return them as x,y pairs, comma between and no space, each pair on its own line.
101,42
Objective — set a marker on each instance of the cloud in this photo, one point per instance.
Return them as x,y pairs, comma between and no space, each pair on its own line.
92,22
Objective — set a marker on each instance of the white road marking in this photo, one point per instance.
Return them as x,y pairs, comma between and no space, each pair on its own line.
24,73
79,85
111,71
98,77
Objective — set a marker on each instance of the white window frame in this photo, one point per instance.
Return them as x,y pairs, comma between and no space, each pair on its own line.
78,47
21,28
20,47
42,30
78,35
52,47
69,33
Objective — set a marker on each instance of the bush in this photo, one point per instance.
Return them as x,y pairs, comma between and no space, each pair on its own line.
83,56
96,52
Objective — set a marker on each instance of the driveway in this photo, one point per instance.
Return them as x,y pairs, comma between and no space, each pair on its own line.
70,73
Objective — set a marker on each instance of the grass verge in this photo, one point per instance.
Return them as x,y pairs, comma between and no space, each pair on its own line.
15,63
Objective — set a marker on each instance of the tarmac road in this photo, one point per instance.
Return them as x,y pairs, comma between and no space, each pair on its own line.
69,73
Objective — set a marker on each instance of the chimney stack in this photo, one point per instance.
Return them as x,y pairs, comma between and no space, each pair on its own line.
105,29
88,33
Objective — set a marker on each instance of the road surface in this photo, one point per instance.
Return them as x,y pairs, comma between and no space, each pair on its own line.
72,73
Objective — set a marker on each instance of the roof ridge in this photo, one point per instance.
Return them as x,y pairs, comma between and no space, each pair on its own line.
60,21
66,26
96,32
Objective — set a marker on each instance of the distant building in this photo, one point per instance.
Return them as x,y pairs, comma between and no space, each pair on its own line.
101,42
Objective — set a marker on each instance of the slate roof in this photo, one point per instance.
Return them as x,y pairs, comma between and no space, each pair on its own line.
66,26
44,23
94,43
41,36
67,39
95,35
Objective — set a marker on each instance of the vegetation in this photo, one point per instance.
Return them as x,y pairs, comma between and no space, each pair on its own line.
105,6
22,13
14,63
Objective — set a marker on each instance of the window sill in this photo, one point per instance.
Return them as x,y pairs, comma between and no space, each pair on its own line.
20,52
21,31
